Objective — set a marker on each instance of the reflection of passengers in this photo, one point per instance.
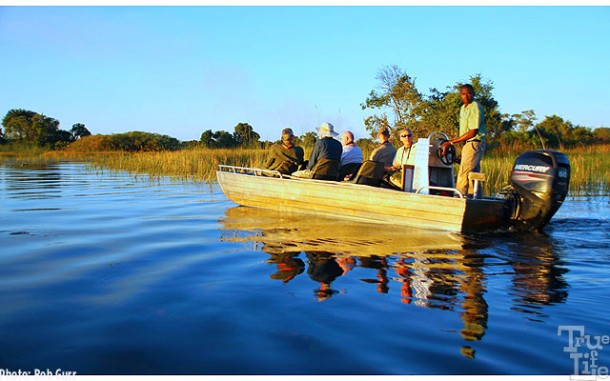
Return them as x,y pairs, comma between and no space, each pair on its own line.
324,269
403,269
288,266
285,157
381,264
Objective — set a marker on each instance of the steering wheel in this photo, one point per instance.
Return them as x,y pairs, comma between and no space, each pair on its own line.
449,158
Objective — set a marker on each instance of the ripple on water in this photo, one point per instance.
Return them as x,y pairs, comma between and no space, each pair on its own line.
112,273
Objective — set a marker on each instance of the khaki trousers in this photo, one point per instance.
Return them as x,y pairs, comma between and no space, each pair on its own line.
472,153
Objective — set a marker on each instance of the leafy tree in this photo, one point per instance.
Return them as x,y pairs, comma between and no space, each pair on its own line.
525,120
218,139
555,131
601,135
559,133
225,139
79,131
440,112
191,144
46,130
424,114
580,135
28,126
207,138
525,127
61,139
308,139
442,109
245,135
397,94
17,124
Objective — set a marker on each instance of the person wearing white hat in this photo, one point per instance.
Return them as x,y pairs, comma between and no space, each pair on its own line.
326,147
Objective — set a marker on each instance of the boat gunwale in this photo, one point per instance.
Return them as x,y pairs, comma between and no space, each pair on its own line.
283,177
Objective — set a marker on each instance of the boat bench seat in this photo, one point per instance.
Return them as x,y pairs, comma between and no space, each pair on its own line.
348,170
325,169
370,173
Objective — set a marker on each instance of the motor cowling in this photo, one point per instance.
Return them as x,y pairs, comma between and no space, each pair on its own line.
540,180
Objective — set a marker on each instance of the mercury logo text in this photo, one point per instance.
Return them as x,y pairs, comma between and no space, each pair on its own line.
532,168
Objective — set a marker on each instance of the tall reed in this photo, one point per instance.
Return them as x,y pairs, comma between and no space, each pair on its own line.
590,166
589,170
199,164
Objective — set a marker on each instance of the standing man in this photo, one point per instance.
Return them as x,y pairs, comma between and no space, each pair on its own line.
472,131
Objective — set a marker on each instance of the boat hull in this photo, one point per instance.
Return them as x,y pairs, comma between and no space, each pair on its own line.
363,203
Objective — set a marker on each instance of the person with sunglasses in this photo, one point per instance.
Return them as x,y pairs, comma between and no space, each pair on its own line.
404,155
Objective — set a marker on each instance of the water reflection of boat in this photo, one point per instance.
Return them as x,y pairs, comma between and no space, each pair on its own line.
283,232
432,269
538,275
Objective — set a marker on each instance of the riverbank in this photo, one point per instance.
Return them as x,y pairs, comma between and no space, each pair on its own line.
590,165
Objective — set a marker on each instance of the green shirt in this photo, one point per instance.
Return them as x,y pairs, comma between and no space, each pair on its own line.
473,118
280,153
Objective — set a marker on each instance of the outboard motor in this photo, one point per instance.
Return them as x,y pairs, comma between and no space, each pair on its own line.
540,180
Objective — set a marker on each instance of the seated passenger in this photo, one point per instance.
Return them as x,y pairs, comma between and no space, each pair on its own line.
325,148
385,152
285,157
404,155
351,158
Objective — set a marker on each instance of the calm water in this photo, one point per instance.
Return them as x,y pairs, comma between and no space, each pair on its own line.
106,273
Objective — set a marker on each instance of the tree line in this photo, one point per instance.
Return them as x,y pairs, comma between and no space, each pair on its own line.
396,103
25,126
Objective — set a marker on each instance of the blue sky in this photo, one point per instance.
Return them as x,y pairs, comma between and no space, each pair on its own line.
182,70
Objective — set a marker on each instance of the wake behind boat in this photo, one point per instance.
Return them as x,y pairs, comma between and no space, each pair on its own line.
539,184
